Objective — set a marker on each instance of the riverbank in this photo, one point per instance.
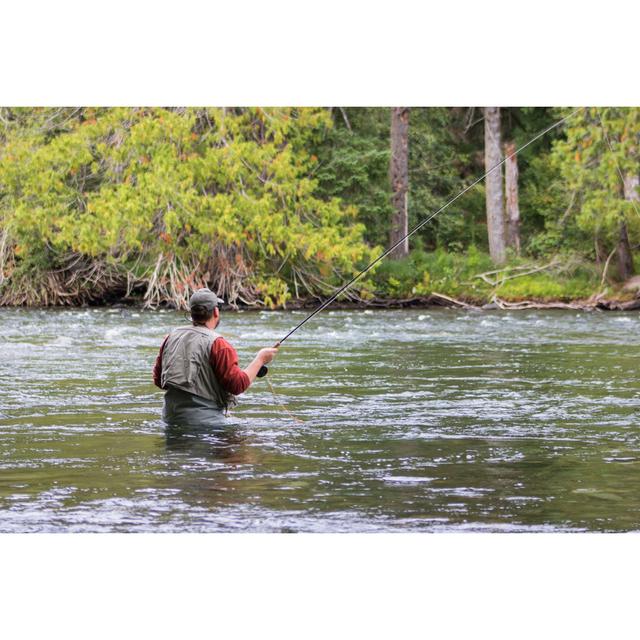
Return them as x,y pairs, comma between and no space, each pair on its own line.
600,302
470,279
423,279
597,302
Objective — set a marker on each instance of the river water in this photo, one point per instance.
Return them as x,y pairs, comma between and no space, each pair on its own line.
408,420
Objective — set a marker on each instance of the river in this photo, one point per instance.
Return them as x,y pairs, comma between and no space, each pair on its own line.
431,420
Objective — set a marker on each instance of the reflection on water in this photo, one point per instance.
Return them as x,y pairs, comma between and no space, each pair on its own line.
225,444
413,420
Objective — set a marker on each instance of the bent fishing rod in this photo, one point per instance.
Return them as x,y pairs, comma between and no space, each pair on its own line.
264,370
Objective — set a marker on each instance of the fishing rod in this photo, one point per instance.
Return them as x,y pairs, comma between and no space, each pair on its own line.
264,370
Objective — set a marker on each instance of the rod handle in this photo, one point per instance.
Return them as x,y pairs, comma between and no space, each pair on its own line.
262,372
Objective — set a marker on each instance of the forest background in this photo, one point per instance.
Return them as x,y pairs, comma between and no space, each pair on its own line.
277,207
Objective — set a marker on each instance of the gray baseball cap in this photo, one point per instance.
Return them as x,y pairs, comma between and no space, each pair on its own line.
205,298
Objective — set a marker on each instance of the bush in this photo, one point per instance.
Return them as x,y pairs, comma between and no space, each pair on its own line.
455,274
174,199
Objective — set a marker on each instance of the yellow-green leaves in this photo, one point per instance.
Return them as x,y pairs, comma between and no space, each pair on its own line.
602,146
223,192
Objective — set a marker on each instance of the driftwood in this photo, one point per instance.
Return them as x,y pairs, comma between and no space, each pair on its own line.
453,301
529,304
594,303
433,299
525,270
624,306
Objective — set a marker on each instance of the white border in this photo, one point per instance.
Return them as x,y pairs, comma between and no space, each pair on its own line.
337,52
331,53
318,586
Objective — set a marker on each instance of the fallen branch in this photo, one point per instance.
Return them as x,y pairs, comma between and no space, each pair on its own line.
460,303
528,304
593,303
606,267
500,281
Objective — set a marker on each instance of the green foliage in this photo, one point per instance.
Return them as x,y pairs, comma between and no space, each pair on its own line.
548,211
600,145
456,275
182,196
353,165
422,273
265,205
549,286
435,162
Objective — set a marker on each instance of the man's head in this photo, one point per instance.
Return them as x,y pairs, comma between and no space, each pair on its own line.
204,308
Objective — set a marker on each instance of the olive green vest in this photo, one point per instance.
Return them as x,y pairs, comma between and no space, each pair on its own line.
186,364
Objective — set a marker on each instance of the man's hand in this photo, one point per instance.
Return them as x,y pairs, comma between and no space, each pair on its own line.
264,356
267,355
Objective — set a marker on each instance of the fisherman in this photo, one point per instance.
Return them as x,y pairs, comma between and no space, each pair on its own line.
199,369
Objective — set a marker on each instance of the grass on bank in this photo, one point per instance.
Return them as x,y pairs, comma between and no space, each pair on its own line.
473,277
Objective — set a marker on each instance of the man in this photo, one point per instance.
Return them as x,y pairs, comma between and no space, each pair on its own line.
199,369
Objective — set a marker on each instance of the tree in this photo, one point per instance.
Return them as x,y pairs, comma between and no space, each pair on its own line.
169,199
438,169
511,190
399,177
494,198
625,257
600,161
353,165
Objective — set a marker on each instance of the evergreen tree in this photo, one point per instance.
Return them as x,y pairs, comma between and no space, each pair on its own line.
600,162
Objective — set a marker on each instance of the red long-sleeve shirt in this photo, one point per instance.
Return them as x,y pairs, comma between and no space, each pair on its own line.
223,359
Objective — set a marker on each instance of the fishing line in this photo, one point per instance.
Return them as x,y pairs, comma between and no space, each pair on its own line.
264,370
281,404
419,226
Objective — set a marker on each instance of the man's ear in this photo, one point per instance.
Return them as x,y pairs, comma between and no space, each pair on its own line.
216,313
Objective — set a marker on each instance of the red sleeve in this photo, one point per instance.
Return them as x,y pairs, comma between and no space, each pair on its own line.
157,367
224,361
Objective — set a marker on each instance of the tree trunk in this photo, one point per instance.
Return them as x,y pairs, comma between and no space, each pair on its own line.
495,201
399,176
625,257
511,190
